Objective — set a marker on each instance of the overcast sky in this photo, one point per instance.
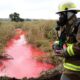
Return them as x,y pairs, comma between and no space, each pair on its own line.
38,9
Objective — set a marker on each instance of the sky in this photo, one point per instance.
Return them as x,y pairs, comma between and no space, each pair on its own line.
34,9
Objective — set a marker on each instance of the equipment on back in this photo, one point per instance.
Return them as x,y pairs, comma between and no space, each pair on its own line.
78,34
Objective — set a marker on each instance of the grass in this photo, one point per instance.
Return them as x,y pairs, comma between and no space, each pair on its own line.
7,31
40,34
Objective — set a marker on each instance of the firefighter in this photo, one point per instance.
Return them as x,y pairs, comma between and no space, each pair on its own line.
72,60
71,52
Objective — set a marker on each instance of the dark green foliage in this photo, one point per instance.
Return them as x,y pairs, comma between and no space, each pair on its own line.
15,17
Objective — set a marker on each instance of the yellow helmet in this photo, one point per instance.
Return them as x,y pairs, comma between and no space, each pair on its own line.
67,13
68,6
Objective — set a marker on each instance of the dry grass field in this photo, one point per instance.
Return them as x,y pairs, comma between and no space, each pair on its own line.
40,34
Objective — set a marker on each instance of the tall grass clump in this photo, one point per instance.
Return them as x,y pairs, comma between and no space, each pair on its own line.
7,31
40,33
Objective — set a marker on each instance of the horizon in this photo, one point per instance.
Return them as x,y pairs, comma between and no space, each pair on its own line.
32,9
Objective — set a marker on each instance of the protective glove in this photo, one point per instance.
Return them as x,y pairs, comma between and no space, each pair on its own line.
56,47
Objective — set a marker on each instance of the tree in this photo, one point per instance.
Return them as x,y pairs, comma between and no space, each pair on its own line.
15,17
